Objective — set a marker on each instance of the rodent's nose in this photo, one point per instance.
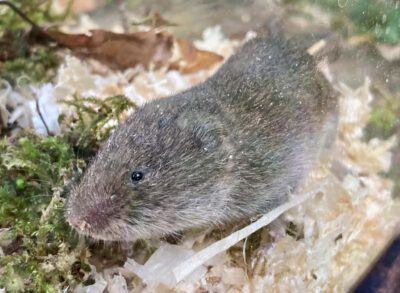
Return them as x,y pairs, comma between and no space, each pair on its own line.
92,220
78,223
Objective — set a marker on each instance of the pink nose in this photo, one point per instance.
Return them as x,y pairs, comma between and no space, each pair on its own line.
78,223
93,219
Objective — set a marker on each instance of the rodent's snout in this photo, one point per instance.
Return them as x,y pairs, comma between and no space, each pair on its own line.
93,219
90,218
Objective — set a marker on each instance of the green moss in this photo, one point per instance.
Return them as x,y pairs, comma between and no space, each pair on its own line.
380,19
383,120
42,164
38,66
40,254
37,10
93,117
383,123
20,55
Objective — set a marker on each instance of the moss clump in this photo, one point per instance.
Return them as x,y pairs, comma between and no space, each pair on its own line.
95,121
380,19
384,119
383,123
39,11
37,66
39,252
20,54
32,171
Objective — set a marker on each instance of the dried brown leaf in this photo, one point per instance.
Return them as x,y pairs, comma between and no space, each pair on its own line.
193,59
119,51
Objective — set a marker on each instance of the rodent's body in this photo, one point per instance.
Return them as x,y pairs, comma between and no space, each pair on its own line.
229,148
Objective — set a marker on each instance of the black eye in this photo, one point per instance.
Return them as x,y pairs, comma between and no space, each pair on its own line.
137,176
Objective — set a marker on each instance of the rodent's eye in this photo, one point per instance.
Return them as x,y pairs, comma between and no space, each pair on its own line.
137,176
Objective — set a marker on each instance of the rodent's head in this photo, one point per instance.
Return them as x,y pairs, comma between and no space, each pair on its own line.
152,177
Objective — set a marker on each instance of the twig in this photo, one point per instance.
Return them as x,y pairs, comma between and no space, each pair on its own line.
41,118
27,19
121,4
20,13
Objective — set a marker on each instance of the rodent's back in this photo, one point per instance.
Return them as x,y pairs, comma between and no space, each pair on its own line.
273,70
273,106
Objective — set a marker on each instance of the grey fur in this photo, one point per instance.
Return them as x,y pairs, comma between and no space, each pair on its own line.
227,149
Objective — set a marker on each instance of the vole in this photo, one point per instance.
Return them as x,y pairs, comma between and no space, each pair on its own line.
229,148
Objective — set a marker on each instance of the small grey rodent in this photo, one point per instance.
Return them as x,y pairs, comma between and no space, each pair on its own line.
227,149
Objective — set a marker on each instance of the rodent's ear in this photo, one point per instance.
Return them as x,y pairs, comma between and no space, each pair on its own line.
210,137
165,120
204,128
162,122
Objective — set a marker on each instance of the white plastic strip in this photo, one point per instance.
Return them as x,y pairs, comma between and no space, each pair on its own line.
193,262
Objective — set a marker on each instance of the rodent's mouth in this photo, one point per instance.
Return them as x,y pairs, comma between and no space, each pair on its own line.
92,218
99,219
99,227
